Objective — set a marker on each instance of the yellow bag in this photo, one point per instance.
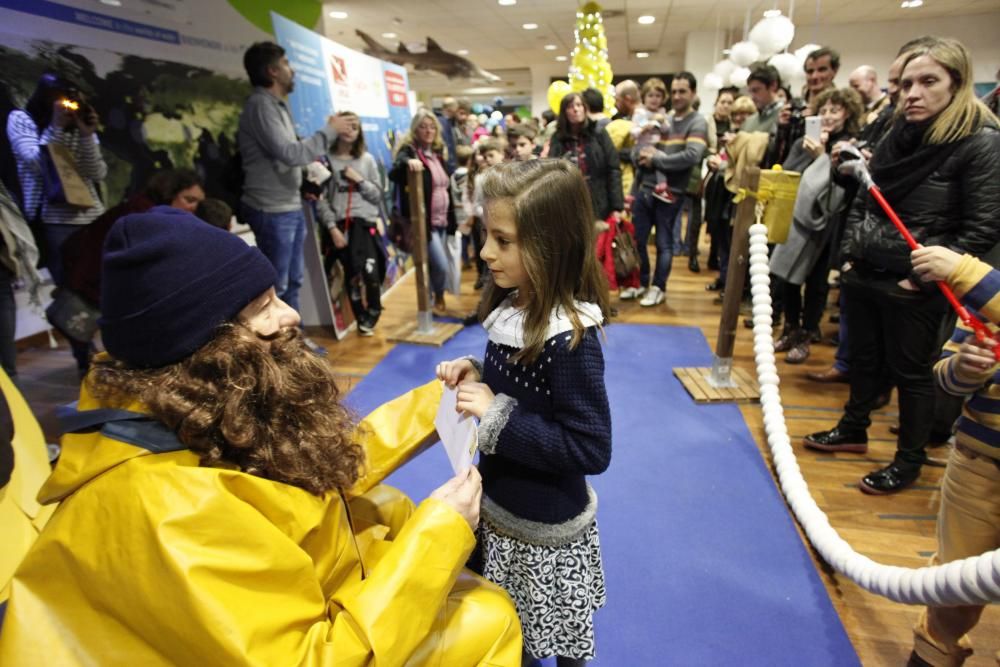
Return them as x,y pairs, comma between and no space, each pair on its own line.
778,190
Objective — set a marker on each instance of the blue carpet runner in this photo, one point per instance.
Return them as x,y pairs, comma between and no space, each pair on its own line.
703,563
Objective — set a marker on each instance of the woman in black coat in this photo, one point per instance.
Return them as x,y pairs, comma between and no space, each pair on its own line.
939,168
579,140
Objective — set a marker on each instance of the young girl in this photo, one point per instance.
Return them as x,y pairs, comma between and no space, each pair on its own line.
350,212
543,410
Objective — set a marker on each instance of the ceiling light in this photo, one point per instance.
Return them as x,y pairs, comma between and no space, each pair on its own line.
389,35
642,54
551,47
911,4
529,26
506,3
462,52
113,3
562,58
647,19
338,15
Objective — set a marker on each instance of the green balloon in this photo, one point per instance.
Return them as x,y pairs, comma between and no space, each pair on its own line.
258,12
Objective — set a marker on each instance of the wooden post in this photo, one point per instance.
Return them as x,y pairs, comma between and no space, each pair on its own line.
426,331
418,227
739,257
721,383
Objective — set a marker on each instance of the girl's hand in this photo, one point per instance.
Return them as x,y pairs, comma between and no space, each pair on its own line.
415,165
975,359
463,493
474,398
351,174
934,262
454,373
338,238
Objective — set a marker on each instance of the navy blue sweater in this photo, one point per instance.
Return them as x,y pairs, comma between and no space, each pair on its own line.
549,427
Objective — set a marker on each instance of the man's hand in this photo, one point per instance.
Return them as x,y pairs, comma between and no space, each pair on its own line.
934,262
340,124
714,162
454,373
474,398
463,493
975,360
646,154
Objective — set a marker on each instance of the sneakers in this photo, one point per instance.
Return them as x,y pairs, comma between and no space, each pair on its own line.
366,328
630,293
890,479
836,440
314,347
654,296
662,192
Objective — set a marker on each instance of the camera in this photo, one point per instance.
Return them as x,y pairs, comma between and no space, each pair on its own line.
798,117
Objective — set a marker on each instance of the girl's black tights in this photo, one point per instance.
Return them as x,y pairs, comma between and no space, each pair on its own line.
527,661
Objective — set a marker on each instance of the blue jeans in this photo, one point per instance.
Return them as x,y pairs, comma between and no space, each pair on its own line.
437,260
649,212
281,237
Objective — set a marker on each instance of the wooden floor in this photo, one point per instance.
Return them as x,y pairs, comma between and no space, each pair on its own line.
897,530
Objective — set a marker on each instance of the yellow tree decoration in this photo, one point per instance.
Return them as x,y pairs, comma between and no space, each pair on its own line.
590,67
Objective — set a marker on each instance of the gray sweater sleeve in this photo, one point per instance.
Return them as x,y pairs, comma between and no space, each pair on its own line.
265,123
370,188
694,148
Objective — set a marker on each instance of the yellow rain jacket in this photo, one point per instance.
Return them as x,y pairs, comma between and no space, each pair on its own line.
151,559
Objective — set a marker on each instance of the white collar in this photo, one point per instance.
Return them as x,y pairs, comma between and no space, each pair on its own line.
505,324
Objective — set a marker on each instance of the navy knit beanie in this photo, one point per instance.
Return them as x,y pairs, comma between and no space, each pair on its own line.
169,280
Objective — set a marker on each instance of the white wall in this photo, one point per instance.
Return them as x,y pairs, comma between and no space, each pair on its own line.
876,44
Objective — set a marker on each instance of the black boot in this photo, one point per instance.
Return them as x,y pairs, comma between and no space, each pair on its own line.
693,265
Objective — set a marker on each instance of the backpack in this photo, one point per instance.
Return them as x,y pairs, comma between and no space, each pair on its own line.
624,252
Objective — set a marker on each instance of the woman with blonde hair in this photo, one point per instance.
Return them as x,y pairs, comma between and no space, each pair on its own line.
423,151
939,168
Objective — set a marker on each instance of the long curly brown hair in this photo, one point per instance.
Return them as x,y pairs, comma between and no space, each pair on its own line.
269,407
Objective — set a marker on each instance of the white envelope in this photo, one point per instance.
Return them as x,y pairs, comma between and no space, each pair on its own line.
458,432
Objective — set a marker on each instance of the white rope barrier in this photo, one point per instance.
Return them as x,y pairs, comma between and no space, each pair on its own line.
974,580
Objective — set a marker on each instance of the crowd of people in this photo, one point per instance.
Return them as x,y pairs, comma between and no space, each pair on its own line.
225,451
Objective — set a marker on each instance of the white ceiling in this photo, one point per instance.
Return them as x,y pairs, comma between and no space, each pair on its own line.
496,41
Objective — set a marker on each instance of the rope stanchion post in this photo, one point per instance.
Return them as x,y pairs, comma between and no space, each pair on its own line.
721,383
746,214
415,189
425,331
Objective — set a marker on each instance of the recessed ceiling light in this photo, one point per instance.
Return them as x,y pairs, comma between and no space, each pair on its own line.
551,47
338,15
112,3
641,54
529,26
462,52
646,19
911,4
506,3
389,35
562,58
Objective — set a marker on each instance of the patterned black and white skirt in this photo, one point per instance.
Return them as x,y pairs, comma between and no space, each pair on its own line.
556,589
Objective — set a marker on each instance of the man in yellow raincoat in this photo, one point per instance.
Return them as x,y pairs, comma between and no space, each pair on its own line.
219,507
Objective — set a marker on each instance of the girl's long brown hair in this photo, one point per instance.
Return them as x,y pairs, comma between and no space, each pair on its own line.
270,408
555,233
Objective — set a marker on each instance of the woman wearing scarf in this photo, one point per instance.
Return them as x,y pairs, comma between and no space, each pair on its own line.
579,140
423,151
939,168
803,259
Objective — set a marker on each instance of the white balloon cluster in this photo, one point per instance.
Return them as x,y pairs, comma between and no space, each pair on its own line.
767,40
975,580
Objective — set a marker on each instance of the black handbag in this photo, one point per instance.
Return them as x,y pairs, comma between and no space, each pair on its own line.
72,315
624,252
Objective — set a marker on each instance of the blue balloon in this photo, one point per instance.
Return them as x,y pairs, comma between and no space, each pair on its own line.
498,101
487,109
477,108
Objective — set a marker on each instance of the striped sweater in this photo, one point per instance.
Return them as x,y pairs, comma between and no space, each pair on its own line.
678,152
27,146
977,284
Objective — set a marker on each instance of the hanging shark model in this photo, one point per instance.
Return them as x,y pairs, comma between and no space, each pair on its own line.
435,58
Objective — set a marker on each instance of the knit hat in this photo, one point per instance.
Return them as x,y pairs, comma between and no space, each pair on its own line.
169,280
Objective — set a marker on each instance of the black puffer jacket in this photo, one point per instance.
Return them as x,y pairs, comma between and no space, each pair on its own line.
604,175
957,206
